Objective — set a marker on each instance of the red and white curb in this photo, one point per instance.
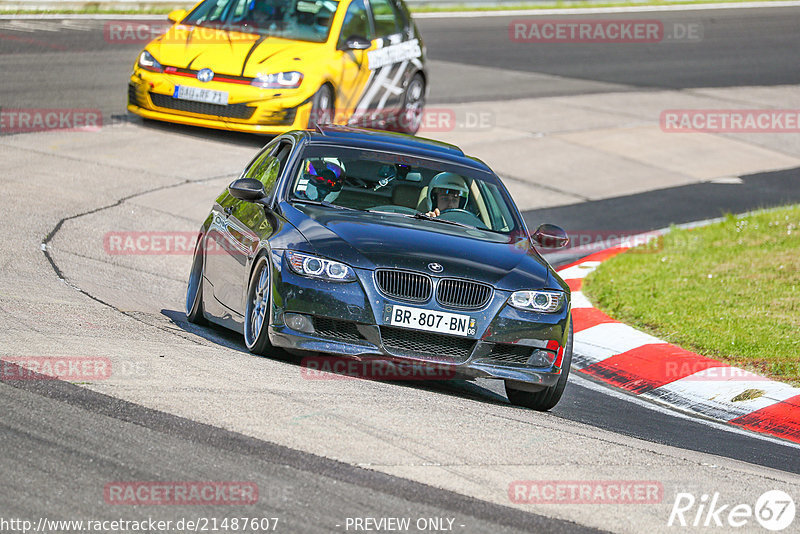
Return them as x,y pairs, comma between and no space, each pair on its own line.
623,357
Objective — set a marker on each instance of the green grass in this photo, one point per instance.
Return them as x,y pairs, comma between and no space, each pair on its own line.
729,291
559,4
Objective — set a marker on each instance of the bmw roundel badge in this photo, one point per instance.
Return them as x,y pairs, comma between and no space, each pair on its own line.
435,267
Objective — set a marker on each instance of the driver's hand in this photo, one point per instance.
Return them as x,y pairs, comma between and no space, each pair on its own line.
434,213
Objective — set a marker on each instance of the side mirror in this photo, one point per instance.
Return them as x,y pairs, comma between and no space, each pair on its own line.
248,189
356,42
176,16
550,236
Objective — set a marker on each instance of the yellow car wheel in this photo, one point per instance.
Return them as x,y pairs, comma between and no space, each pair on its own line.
410,116
321,107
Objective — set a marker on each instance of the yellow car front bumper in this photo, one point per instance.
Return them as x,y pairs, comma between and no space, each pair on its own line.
251,110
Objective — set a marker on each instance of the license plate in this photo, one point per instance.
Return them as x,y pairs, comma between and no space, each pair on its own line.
430,321
195,94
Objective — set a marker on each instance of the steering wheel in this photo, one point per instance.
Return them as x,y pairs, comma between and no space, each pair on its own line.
461,215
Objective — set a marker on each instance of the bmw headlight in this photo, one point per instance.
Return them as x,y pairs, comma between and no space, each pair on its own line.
538,301
315,267
281,80
148,62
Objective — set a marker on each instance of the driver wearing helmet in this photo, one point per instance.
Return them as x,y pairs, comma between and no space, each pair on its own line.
446,192
323,180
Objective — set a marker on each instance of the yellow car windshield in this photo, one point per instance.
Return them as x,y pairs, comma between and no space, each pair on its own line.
302,20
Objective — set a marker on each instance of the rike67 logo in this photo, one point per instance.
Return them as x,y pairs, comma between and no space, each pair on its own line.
774,510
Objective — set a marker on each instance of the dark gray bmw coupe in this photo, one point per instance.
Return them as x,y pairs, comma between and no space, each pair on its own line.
381,246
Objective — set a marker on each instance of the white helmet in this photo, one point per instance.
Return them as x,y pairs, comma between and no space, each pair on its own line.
450,181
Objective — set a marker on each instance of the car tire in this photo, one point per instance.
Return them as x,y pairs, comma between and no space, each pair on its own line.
194,288
322,107
257,311
410,116
547,398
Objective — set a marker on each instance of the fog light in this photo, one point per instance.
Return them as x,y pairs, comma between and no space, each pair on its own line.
301,323
542,358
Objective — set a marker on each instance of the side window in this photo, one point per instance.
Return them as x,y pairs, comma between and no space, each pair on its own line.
265,169
356,22
402,14
386,17
282,153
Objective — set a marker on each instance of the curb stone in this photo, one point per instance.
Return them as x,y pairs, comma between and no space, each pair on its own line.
625,358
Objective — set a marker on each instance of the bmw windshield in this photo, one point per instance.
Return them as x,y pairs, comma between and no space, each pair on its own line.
403,185
303,20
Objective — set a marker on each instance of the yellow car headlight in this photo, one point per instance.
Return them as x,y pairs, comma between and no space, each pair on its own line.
281,80
148,62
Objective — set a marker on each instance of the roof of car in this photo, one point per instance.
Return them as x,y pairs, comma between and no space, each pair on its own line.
390,141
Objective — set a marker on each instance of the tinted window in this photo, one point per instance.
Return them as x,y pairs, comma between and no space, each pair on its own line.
265,168
403,185
386,17
305,20
356,22
403,16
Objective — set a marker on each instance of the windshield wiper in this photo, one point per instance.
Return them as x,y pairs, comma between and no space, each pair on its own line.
425,217
324,203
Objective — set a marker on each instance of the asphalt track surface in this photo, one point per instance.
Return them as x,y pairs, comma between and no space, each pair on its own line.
738,48
49,428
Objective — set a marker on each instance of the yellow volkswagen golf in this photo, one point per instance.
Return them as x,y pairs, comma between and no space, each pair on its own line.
269,66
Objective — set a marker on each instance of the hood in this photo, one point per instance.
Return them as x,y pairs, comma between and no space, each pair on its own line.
229,52
372,240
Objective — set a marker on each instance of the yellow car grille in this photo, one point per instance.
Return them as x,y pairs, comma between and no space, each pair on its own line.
231,111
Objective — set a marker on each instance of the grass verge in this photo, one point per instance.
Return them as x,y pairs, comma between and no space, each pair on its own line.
729,291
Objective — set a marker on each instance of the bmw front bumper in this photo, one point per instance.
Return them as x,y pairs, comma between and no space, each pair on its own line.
349,320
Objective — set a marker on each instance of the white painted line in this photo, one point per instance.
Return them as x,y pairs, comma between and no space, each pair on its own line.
36,26
615,338
581,270
703,393
657,406
601,10
65,16
81,25
580,301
